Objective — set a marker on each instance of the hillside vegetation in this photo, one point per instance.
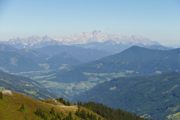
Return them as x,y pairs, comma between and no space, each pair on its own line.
110,113
151,96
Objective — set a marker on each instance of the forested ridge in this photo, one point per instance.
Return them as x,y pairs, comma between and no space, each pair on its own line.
110,113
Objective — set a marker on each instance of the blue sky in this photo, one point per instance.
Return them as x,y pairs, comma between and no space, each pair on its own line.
158,20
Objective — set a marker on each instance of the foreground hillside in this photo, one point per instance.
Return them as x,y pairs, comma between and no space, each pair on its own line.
153,96
12,101
16,106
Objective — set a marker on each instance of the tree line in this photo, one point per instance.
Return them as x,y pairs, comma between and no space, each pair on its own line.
86,115
109,113
61,100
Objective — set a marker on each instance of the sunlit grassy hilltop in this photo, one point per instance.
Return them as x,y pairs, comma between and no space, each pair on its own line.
11,104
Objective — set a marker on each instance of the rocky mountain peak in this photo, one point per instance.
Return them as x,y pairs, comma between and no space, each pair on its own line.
81,38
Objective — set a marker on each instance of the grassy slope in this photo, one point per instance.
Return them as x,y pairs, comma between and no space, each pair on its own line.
174,116
11,103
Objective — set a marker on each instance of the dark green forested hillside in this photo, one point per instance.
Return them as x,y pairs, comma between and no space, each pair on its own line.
153,96
110,113
25,85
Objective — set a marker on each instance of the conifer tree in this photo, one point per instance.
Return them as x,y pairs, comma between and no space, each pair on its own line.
83,114
1,95
58,116
52,111
22,108
70,116
68,103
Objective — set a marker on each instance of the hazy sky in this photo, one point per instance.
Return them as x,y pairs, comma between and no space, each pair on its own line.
158,20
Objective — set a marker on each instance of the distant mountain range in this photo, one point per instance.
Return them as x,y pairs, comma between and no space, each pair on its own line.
81,54
97,36
113,47
149,96
94,40
31,42
51,57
